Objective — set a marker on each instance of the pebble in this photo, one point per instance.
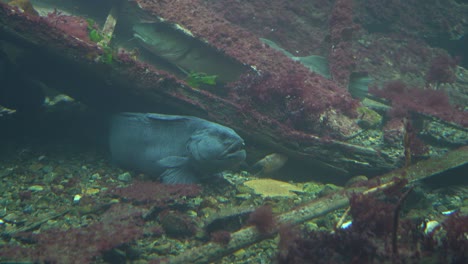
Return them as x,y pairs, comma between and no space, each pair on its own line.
243,196
28,209
346,224
430,226
36,188
125,177
356,179
91,191
163,248
76,199
6,172
50,177
241,253
11,217
3,212
47,169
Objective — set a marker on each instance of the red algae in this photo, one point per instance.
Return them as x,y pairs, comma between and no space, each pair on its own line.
263,219
341,55
72,25
441,70
274,69
427,101
157,193
221,237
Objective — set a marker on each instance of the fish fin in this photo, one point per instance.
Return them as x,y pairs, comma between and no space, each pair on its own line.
257,168
358,84
173,162
317,64
275,46
179,175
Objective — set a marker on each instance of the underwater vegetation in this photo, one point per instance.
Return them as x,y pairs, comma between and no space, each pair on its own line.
406,99
75,26
376,235
120,224
195,79
441,70
79,209
94,34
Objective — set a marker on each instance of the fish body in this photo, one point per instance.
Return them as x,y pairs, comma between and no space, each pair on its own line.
269,164
358,81
163,42
180,149
186,52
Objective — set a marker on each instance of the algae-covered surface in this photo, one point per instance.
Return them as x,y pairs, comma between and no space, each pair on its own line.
64,201
354,116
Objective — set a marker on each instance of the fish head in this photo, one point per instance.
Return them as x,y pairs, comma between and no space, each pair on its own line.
216,148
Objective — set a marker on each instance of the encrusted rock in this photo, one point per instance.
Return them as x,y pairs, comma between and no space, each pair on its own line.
125,177
176,224
394,132
368,118
339,125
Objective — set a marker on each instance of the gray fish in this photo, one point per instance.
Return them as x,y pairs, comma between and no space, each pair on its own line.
186,52
180,149
358,81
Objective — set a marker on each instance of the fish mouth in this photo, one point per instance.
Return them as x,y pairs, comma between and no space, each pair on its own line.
234,150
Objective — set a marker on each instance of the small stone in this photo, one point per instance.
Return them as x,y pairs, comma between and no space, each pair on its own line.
223,199
12,217
96,176
36,188
28,209
329,189
163,248
430,226
192,213
50,177
91,191
243,196
47,169
125,177
344,127
3,212
176,224
36,166
76,199
312,187
346,224
44,202
311,226
241,253
356,179
368,118
6,172
209,201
